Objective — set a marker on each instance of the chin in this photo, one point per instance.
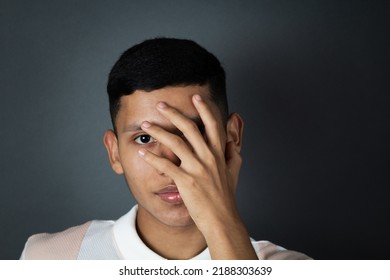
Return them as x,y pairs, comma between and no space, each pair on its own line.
180,223
177,218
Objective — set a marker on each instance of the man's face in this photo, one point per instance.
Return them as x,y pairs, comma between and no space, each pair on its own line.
145,182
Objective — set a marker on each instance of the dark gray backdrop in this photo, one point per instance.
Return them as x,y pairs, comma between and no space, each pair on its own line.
311,80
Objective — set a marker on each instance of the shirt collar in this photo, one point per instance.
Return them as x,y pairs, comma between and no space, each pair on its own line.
131,247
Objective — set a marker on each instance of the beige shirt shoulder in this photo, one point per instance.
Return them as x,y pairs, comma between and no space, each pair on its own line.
266,250
63,245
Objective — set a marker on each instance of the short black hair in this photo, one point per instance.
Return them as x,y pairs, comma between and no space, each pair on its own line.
161,62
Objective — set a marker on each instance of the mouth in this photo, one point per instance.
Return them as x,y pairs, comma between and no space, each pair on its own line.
170,194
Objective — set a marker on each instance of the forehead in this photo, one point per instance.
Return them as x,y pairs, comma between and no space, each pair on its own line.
141,105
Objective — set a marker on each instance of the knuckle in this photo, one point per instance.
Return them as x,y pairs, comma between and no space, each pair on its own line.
192,127
190,180
199,170
177,141
188,127
211,160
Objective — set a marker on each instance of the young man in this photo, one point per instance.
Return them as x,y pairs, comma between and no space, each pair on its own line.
179,152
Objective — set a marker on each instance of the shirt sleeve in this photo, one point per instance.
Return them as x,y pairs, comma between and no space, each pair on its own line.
266,250
63,245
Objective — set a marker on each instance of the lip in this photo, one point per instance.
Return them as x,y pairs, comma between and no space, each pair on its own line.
170,194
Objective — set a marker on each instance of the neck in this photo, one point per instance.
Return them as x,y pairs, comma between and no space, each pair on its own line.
170,242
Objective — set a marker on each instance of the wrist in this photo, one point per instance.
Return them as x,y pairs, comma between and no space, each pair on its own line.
229,240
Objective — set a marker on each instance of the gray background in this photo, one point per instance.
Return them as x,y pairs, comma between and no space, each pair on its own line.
310,78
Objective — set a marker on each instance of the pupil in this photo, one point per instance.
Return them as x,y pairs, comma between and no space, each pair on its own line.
145,138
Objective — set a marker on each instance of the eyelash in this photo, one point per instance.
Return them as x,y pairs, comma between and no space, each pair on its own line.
138,139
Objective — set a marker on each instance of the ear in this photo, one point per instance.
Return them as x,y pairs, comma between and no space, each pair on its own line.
111,142
234,129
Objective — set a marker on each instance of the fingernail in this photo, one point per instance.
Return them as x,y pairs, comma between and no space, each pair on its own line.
146,124
198,97
161,105
142,152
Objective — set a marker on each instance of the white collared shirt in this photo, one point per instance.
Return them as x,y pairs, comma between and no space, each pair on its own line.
116,240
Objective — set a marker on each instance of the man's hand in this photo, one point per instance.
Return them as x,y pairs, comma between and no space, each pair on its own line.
206,177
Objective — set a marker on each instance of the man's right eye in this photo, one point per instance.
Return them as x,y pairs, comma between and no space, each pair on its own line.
144,139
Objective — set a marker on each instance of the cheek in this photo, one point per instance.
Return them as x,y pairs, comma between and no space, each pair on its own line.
136,170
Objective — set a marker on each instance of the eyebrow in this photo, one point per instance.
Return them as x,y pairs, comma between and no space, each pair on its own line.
132,127
137,126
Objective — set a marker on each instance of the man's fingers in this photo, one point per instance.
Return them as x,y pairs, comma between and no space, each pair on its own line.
214,131
172,141
163,165
190,128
